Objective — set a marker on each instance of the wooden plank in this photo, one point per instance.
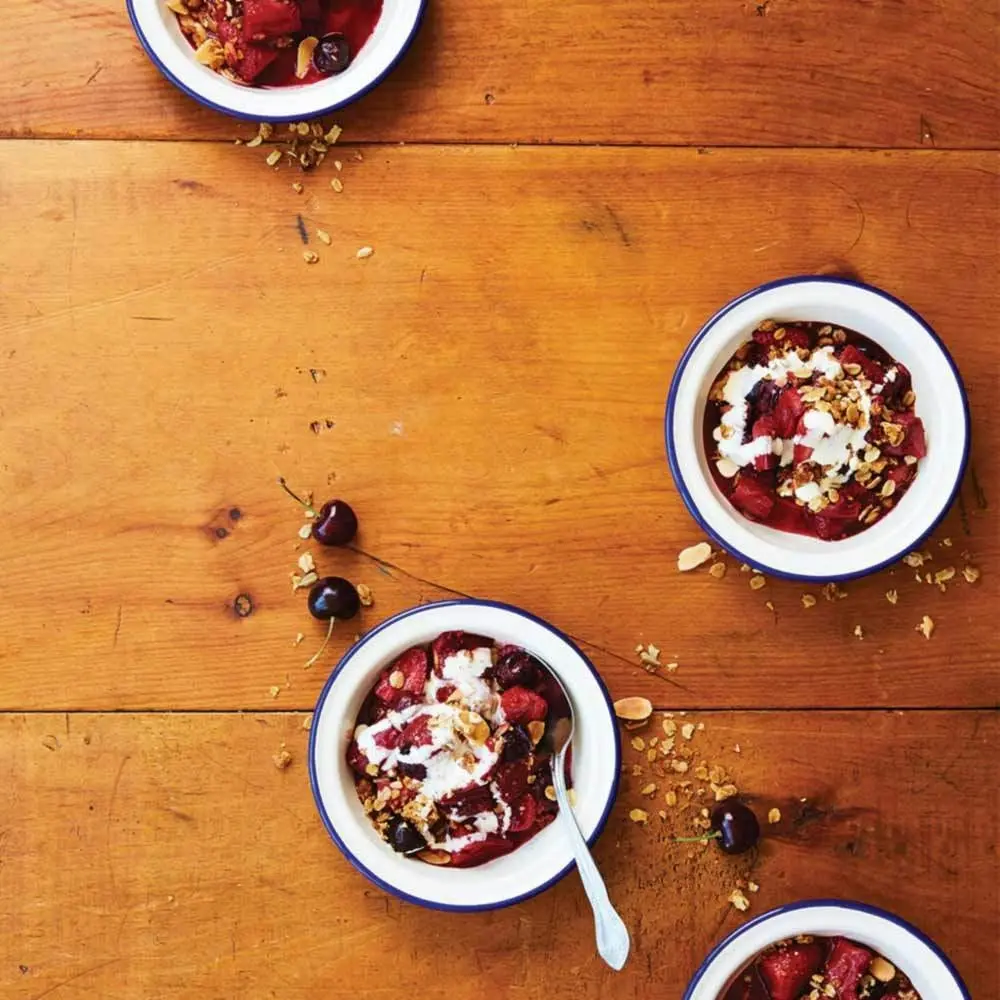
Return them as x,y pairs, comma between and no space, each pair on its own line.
806,73
495,373
163,856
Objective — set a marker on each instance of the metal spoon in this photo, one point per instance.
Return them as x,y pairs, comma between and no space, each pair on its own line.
613,941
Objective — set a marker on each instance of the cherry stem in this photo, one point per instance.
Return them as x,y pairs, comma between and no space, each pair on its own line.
329,631
697,840
294,496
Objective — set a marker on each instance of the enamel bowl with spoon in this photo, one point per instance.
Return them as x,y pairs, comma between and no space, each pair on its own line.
535,865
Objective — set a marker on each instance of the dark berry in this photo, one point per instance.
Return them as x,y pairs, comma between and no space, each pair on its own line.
404,837
516,668
417,771
516,744
335,524
736,826
333,597
332,54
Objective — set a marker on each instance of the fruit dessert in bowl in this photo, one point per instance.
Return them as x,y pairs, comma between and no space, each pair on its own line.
817,428
430,754
827,950
275,60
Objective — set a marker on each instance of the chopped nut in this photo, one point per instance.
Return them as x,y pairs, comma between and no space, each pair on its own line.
774,816
649,789
915,560
808,601
883,970
753,887
297,187
723,792
550,793
310,256
273,157
323,236
669,727
365,595
333,135
680,766
943,575
671,798
740,901
536,730
717,570
926,627
306,562
633,709
371,770
756,582
694,556
639,816
210,53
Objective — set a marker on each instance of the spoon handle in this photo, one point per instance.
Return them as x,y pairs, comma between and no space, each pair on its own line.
613,941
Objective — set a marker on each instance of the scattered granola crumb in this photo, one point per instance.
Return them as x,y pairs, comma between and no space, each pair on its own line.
833,593
739,900
687,730
671,667
946,542
365,595
744,568
717,570
892,596
753,887
305,531
971,574
926,627
298,638
693,556
323,236
757,581
649,789
364,252
639,816
297,187
638,743
337,184
274,690
282,759
680,766
769,605
307,723
633,709
306,562
671,798
736,748
914,560
859,632
649,656
310,256
774,815
273,157
808,601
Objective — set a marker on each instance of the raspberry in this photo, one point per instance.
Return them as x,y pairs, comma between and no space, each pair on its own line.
521,705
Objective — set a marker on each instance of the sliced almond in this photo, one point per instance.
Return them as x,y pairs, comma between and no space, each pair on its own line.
210,53
303,58
433,857
639,816
633,709
397,679
536,730
727,468
926,627
694,556
774,816
882,969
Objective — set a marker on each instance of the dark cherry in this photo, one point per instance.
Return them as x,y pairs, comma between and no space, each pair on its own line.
516,744
335,524
333,597
516,669
417,771
735,826
404,837
332,54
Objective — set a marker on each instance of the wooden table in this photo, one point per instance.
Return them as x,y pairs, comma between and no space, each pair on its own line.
557,195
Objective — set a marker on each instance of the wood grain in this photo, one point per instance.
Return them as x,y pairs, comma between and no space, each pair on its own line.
721,72
495,375
165,856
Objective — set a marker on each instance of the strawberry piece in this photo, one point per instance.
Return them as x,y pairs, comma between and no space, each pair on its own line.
796,336
449,643
871,369
482,851
787,970
267,20
894,391
787,412
417,732
522,706
915,443
764,426
845,965
444,693
763,337
414,668
832,522
523,814
802,454
512,780
901,474
470,801
753,498
388,739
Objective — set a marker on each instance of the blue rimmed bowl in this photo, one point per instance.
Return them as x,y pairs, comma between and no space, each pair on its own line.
941,404
533,866
159,34
909,949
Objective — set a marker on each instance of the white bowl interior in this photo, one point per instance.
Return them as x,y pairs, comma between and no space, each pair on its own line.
940,404
392,33
532,865
931,976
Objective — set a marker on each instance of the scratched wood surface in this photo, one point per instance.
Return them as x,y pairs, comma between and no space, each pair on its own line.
495,376
165,856
719,72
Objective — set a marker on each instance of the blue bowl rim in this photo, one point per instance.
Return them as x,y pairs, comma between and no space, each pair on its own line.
675,385
328,823
809,904
336,106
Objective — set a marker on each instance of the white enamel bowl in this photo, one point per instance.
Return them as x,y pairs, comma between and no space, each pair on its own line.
533,866
158,32
909,949
941,404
